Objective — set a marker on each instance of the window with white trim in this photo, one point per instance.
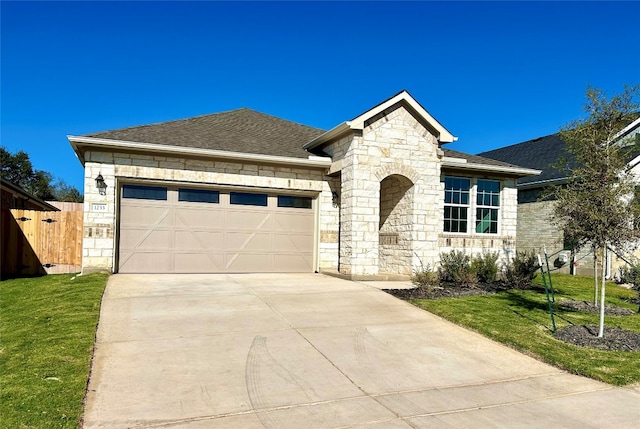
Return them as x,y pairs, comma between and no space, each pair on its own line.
456,204
475,202
487,206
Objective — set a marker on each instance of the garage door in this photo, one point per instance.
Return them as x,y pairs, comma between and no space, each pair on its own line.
191,230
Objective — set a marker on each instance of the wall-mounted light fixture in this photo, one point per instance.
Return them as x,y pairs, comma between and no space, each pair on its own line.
335,199
102,187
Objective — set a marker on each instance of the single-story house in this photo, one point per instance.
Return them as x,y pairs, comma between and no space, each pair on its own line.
242,191
535,229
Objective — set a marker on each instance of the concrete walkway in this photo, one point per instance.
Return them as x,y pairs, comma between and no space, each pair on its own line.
311,351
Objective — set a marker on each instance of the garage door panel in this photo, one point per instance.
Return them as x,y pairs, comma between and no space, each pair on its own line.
205,240
246,220
181,236
199,217
294,222
238,241
250,262
199,262
146,239
292,242
302,263
144,216
145,262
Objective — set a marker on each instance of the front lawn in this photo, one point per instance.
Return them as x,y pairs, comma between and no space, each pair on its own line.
519,319
47,331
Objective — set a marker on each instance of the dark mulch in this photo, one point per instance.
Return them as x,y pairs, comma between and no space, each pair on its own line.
447,291
614,338
589,307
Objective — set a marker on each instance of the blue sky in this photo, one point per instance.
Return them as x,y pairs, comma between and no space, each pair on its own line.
493,73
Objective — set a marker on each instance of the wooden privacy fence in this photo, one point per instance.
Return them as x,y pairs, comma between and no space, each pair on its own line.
54,237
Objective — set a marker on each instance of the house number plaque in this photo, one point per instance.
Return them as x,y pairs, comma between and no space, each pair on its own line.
98,207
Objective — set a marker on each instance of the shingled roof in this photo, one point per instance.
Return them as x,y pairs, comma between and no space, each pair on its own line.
242,130
477,159
540,154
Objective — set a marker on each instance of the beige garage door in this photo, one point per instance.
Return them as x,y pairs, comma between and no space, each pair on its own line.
192,230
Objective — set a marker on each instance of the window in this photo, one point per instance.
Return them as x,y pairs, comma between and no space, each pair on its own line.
456,204
144,192
487,206
294,202
247,199
198,196
464,197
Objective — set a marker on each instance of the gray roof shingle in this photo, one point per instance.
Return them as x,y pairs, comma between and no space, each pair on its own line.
540,154
477,159
242,130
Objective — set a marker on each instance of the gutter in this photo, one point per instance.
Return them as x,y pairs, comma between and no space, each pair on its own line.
519,171
333,133
79,142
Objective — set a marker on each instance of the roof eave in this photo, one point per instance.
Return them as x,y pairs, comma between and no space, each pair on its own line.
543,183
332,134
28,196
511,171
80,142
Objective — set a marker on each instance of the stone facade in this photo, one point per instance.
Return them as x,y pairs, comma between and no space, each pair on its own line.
504,242
379,207
99,248
387,147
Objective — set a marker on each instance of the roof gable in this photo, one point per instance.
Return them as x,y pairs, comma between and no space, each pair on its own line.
404,98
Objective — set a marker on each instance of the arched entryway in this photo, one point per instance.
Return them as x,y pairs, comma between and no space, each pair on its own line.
396,225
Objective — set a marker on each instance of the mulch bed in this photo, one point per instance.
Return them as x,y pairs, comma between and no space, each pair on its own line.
589,307
614,338
446,291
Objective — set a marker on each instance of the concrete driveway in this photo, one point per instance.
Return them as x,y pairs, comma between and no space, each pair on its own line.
310,351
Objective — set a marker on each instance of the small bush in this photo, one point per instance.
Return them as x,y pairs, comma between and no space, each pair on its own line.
425,277
522,270
455,267
629,275
485,265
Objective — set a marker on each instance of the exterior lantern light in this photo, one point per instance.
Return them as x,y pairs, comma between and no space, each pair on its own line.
101,185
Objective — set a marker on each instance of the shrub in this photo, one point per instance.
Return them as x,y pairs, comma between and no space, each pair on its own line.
629,275
522,270
485,265
425,277
455,267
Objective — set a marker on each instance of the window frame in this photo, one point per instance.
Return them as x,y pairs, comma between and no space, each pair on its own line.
187,192
474,207
142,188
457,205
488,206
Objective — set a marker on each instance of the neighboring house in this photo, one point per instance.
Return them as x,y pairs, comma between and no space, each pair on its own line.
241,191
14,197
535,229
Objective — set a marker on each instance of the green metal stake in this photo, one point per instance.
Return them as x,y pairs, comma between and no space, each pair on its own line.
546,290
553,292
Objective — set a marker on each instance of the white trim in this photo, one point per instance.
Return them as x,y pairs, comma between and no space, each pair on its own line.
626,130
520,171
79,141
444,136
538,183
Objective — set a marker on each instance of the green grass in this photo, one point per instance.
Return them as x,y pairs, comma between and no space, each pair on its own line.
47,331
520,320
